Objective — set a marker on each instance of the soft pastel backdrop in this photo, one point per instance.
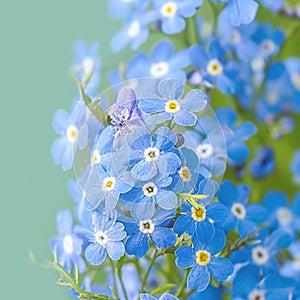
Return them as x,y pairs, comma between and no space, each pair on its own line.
36,44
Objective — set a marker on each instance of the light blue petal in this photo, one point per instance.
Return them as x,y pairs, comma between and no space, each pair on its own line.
147,297
220,268
278,239
185,257
195,100
217,212
198,279
242,11
64,222
218,242
163,237
184,224
256,213
115,250
185,118
117,232
152,105
144,170
60,121
166,199
137,244
172,25
227,193
170,89
245,131
163,51
205,231
95,254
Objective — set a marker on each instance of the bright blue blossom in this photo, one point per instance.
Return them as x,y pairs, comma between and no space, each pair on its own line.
142,227
210,293
67,246
248,284
171,106
200,222
152,156
235,135
172,13
105,183
213,66
73,134
146,194
204,263
263,164
243,217
103,235
163,63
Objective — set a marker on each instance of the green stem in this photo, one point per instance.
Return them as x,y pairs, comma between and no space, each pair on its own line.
119,273
155,255
193,38
183,284
113,271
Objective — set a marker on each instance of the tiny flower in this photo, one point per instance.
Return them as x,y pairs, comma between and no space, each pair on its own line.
202,258
172,106
103,235
74,134
152,156
141,228
68,246
164,296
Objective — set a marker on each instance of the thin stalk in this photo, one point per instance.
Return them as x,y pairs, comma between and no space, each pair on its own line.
155,255
183,284
119,273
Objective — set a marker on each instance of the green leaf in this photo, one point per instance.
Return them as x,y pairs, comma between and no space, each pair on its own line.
163,288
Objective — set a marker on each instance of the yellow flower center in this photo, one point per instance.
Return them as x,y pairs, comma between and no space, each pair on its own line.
72,133
172,106
202,257
199,214
169,9
185,174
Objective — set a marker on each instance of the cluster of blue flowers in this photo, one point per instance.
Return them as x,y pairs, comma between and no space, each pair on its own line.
154,218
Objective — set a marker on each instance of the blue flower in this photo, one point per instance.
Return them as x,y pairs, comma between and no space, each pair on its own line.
164,296
274,5
103,235
171,106
235,135
105,183
248,284
210,293
263,164
135,31
240,12
87,63
295,167
204,263
125,116
146,194
68,246
243,217
280,213
74,134
290,268
171,13
146,226
164,63
213,67
153,156
199,222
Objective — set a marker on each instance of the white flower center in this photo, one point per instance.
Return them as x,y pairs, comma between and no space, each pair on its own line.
68,244
134,29
72,133
96,157
284,216
260,255
257,295
150,189
267,46
204,151
239,210
108,184
172,106
146,226
199,214
235,37
296,262
101,238
88,65
159,69
295,78
169,9
185,174
214,67
257,64
151,154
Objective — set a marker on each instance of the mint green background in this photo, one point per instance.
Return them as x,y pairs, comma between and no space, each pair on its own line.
36,43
